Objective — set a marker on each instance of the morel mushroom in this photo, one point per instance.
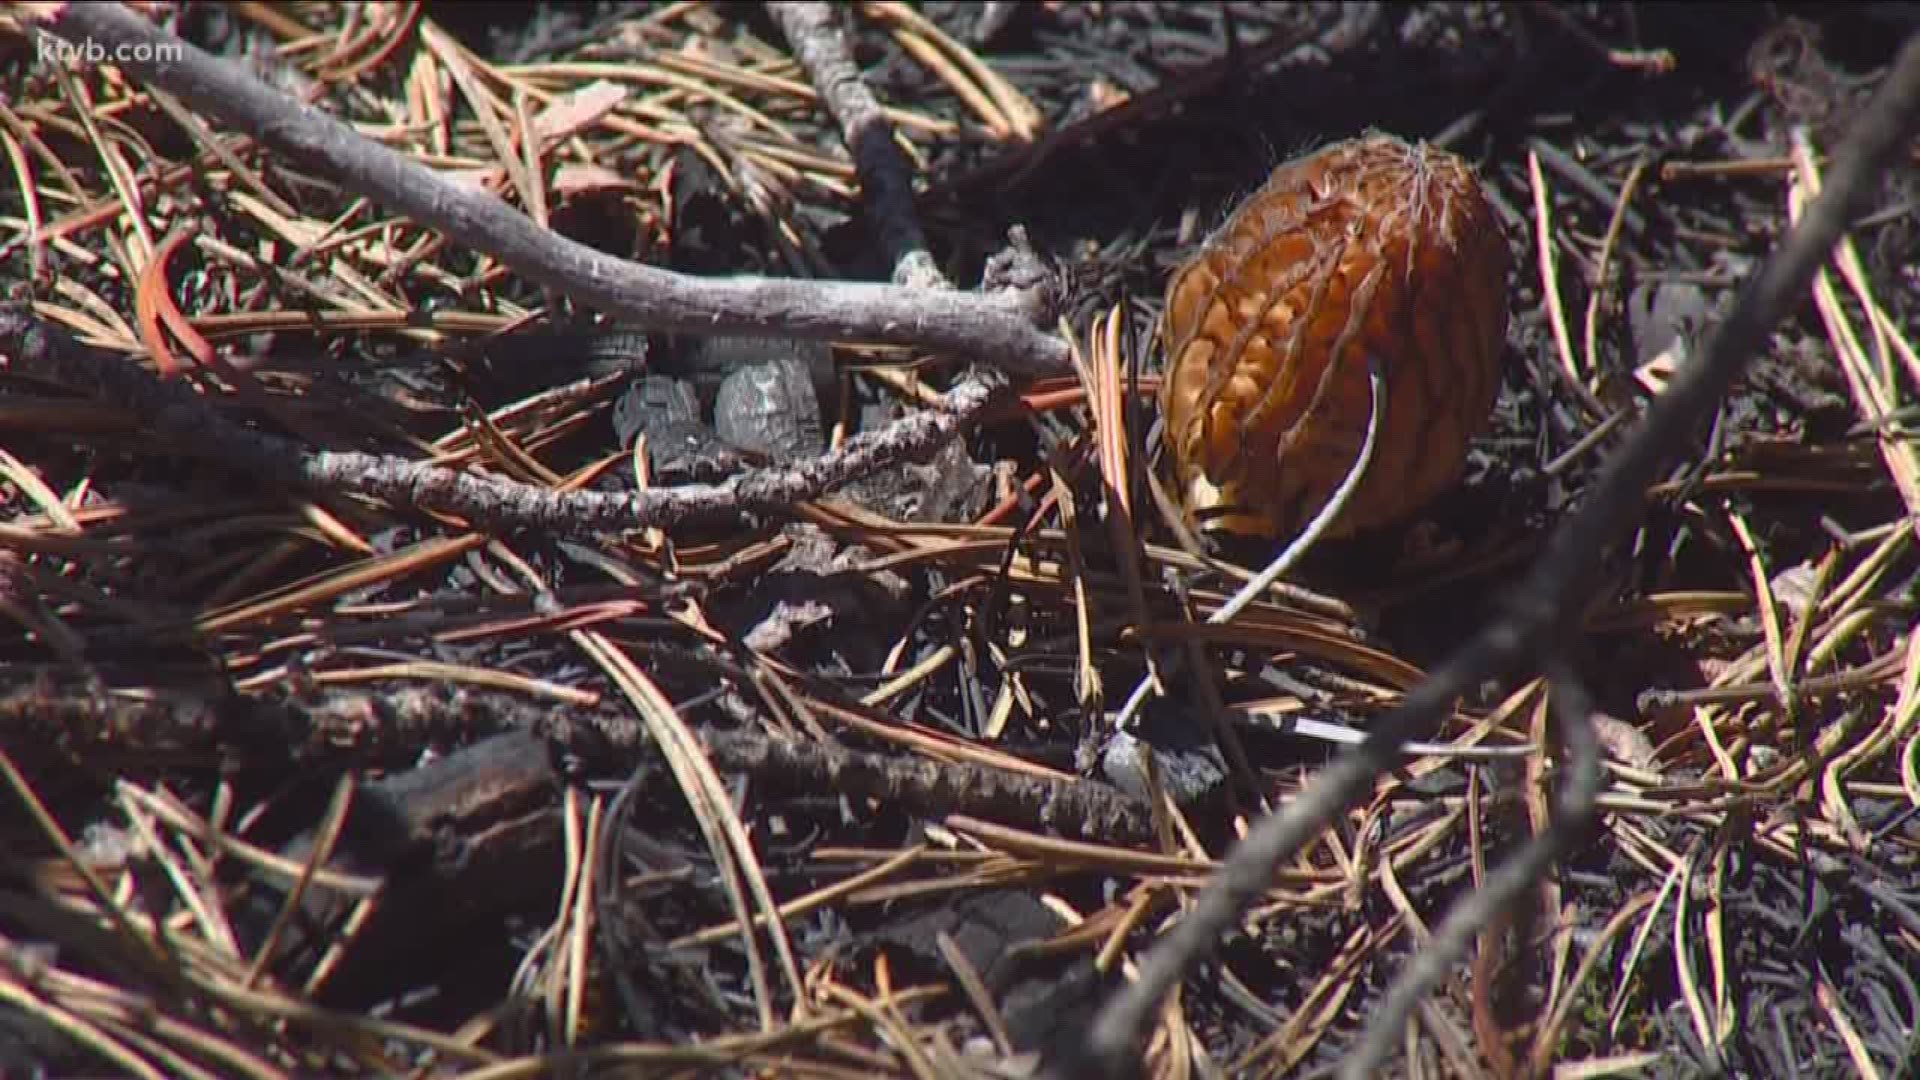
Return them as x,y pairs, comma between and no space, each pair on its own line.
1368,251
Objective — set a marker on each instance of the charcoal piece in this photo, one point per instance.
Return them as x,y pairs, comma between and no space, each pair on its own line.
707,362
614,350
787,619
688,452
458,843
507,367
1190,769
680,447
1044,999
815,583
651,405
951,487
770,407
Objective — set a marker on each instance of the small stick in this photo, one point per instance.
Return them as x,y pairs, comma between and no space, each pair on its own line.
990,329
32,347
885,181
1578,795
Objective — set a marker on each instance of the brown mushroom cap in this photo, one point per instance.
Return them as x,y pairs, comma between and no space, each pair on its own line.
1372,247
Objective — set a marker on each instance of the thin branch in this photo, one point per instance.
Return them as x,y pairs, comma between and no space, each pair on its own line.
39,350
914,784
74,716
1544,602
885,180
1578,794
992,330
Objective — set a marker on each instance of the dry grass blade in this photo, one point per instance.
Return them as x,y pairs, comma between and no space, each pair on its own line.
1101,377
1550,272
460,67
1875,386
999,105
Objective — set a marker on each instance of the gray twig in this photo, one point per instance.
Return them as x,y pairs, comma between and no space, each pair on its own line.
1580,790
1540,610
920,785
39,350
989,329
71,715
887,188
885,180
1015,275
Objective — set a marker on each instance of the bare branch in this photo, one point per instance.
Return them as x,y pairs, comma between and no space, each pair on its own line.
885,180
1578,793
39,350
1543,606
928,786
62,709
988,329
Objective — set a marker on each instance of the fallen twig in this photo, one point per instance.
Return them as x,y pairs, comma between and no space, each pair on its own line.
72,715
1502,888
886,183
1539,611
989,329
39,350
